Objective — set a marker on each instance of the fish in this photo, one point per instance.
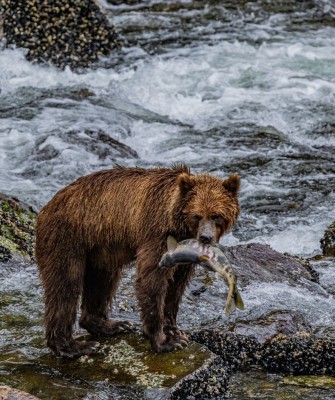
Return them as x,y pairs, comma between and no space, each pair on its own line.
191,251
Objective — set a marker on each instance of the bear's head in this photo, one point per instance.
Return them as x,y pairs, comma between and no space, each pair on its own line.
210,205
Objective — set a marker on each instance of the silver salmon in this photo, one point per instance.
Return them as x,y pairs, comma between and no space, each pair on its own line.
209,256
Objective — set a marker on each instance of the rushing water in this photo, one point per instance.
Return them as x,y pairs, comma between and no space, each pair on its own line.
246,87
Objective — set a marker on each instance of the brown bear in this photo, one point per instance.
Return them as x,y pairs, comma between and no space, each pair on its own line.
104,221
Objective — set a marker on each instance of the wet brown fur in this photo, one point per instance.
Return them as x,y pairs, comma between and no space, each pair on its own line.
103,221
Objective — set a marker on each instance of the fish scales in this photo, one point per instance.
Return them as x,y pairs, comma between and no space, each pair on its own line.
208,256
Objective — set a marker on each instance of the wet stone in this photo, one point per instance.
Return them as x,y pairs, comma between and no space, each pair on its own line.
260,263
265,328
261,385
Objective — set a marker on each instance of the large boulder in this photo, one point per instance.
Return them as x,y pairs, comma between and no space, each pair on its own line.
63,32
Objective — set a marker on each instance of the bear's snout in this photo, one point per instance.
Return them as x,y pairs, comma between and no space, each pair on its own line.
206,232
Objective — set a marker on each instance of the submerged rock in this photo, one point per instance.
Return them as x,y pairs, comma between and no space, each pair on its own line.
17,235
257,384
70,32
328,241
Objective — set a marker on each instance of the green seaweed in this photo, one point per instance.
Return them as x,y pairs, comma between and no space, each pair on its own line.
17,234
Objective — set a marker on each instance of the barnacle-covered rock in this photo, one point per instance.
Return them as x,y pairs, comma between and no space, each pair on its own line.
70,32
299,354
209,382
237,351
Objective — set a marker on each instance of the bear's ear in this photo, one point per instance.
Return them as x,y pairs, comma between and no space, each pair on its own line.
185,182
232,184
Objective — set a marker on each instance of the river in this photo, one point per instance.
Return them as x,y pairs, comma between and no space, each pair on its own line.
222,86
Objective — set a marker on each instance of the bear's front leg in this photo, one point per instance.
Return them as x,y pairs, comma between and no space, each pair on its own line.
176,288
151,289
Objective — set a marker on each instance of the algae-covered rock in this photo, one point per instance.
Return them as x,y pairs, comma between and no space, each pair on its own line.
17,236
257,384
328,241
64,32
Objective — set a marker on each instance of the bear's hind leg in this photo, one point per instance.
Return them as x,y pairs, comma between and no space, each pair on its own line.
62,286
102,276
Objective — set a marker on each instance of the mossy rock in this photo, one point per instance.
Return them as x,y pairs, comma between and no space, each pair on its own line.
328,241
17,233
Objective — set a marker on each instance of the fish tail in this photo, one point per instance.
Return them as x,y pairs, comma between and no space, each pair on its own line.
230,306
234,300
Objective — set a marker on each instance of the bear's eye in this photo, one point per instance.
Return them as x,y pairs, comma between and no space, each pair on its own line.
196,218
217,219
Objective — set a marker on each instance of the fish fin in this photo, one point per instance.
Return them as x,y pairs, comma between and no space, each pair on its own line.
230,306
238,300
171,244
203,257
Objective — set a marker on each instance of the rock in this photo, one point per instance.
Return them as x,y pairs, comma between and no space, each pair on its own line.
258,262
73,33
8,393
98,142
93,141
256,384
265,328
328,241
300,353
209,382
17,235
237,352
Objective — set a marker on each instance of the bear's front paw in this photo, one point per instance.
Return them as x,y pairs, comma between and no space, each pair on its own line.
171,343
173,333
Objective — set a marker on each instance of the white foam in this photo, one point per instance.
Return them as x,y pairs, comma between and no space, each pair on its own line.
163,106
